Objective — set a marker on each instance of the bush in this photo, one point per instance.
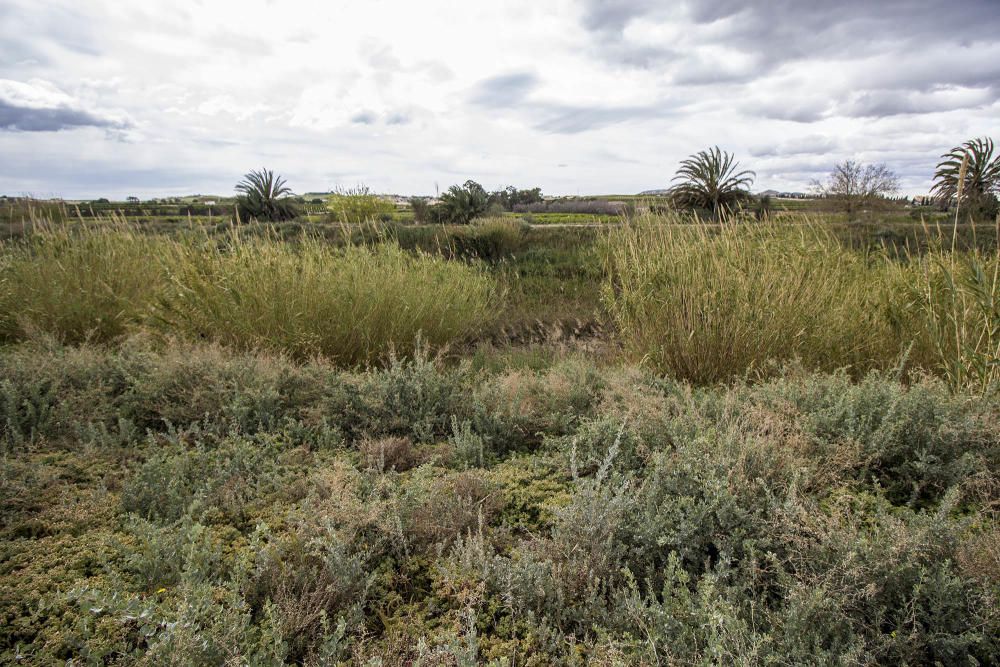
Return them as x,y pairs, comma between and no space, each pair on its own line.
586,206
604,515
491,239
357,205
390,453
213,484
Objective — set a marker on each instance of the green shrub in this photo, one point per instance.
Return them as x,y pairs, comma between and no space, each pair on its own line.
358,205
413,397
605,515
915,443
469,448
214,484
491,239
308,579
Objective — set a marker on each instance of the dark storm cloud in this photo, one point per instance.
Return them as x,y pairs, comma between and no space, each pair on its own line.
504,90
806,26
27,119
883,103
774,32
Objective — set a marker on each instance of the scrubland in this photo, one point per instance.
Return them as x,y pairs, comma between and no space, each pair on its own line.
661,443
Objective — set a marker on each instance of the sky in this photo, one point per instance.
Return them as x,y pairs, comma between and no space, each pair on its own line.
106,98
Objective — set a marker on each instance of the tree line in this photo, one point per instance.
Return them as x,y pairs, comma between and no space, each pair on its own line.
968,177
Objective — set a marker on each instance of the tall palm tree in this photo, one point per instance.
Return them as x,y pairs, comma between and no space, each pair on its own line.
980,177
265,196
709,179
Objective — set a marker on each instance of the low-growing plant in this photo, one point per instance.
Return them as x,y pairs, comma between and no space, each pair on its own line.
388,453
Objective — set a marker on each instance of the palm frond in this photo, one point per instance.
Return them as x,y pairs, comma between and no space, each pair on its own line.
710,179
979,180
264,196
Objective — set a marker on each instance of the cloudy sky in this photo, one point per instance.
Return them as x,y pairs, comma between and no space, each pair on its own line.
112,98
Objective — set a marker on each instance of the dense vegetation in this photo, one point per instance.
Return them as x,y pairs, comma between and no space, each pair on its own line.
188,505
351,303
707,303
663,443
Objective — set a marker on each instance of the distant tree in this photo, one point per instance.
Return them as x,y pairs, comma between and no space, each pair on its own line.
421,209
854,185
510,197
264,196
710,180
979,179
461,203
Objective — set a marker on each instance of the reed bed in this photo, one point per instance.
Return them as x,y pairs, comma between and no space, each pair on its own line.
713,302
99,282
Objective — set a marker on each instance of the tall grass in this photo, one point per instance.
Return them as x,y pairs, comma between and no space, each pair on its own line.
708,303
958,300
79,282
102,281
351,304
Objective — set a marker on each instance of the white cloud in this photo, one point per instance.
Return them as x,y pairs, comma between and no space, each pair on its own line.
39,106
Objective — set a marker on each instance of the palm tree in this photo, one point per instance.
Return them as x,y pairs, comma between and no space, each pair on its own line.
265,196
461,203
709,179
974,165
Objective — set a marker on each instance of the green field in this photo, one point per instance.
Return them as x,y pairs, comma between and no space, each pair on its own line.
546,438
